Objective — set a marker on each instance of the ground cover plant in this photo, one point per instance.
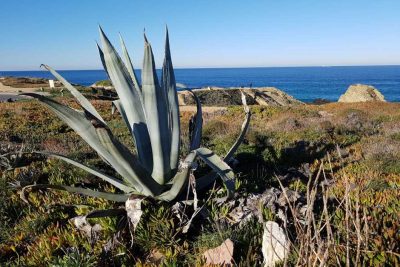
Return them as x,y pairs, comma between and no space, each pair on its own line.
41,233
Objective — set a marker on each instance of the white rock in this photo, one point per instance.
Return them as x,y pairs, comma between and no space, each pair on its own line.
275,245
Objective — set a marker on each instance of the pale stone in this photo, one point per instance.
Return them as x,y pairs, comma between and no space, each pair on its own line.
221,255
275,245
361,93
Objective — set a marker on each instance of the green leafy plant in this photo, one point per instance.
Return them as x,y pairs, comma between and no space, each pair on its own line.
151,113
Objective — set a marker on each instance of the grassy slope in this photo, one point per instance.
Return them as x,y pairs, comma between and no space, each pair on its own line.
280,140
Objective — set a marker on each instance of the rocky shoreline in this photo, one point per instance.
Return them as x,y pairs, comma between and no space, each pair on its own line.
11,87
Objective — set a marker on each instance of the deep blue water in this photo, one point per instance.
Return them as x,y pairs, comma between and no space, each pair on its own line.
304,83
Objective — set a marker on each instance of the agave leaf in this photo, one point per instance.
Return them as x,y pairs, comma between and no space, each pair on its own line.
115,182
137,175
74,118
210,177
102,60
79,122
220,167
197,124
156,108
131,100
180,179
169,85
81,99
78,190
245,127
129,65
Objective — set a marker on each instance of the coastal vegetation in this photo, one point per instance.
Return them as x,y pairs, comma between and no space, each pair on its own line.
286,143
328,174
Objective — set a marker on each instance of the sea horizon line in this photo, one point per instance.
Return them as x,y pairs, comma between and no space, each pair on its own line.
244,67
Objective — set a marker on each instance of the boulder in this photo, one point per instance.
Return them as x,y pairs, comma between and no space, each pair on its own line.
361,93
264,96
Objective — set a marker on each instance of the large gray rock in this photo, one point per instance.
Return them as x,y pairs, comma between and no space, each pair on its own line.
361,93
215,96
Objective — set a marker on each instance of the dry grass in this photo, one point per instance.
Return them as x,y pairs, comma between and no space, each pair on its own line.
339,227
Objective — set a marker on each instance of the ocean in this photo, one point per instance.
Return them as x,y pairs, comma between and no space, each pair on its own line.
304,83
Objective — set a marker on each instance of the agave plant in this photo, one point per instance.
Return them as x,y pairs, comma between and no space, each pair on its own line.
151,113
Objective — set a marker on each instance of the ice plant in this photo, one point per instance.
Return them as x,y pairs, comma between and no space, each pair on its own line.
151,113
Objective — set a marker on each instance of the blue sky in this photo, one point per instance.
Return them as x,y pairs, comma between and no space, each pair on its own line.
203,33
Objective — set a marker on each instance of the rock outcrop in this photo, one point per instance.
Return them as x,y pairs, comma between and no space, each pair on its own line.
104,84
361,93
264,96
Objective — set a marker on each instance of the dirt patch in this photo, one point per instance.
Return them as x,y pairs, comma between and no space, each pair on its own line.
23,82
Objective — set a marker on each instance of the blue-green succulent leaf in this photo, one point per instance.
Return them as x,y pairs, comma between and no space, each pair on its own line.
169,86
100,139
180,180
209,178
156,108
129,64
197,126
244,129
77,190
131,100
220,167
114,181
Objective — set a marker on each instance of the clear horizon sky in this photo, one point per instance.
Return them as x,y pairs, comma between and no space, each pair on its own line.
203,33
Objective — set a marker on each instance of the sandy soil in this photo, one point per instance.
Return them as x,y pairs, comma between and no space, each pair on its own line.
7,92
13,90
